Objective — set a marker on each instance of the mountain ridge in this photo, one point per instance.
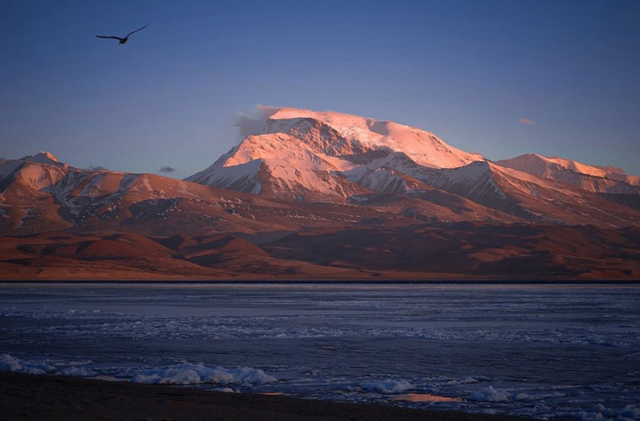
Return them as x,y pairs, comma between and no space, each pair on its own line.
323,196
327,156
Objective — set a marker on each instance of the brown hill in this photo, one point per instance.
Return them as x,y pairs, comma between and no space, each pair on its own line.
468,249
426,251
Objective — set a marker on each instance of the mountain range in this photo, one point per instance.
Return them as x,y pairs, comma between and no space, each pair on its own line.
323,195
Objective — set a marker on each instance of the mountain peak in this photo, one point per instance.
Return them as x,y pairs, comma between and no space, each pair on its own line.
338,120
42,157
567,170
541,163
422,146
299,152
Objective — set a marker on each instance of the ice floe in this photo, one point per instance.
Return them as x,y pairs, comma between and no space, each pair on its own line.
489,394
200,374
485,348
76,372
10,363
601,413
388,386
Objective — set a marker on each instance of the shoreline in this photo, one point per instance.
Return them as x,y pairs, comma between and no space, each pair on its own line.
44,397
560,282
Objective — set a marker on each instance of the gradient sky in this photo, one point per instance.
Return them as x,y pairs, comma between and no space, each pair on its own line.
469,71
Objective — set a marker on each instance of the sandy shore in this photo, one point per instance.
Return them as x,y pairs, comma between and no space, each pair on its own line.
28,397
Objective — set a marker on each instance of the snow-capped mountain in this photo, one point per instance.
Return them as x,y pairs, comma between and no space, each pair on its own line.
608,182
309,156
365,134
43,157
308,169
60,222
323,195
561,169
587,177
301,153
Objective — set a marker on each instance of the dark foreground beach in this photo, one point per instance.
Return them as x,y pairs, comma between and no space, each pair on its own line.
29,397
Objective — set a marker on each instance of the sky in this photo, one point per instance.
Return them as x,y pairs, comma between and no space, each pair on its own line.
498,77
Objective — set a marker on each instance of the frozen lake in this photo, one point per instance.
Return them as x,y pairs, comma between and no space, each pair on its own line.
543,351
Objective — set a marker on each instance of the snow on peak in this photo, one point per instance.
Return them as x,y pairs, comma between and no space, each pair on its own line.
332,118
42,157
542,166
36,175
298,151
565,170
422,146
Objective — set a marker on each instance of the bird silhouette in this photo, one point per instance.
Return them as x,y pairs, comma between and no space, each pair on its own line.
122,40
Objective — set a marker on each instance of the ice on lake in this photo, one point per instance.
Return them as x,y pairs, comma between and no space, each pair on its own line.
543,351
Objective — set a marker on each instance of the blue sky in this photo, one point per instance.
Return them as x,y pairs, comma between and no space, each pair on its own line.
467,70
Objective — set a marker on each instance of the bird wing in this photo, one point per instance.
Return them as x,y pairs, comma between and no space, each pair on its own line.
104,36
137,30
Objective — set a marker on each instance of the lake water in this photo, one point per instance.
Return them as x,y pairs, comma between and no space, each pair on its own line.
542,350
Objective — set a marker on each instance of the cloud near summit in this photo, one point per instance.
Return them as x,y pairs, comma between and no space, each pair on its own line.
253,121
525,121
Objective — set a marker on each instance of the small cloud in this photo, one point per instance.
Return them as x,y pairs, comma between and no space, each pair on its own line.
167,169
253,121
526,121
95,168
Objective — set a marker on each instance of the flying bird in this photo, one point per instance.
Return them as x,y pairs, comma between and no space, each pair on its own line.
125,39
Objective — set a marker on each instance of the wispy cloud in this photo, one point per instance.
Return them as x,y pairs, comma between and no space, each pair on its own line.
526,121
167,169
253,121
